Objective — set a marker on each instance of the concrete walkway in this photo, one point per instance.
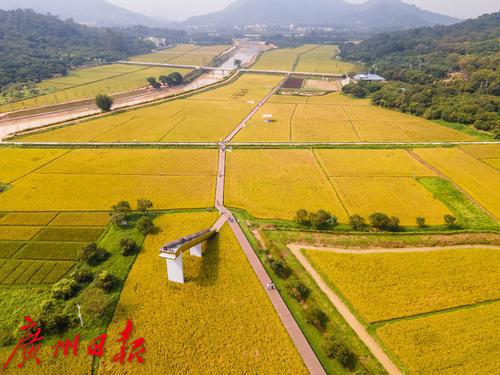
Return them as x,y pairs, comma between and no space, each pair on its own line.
343,310
308,356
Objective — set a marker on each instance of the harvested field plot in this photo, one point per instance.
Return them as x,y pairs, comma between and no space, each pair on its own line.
463,341
83,234
293,83
277,183
81,219
368,163
402,197
478,179
281,59
387,286
15,163
50,251
323,84
253,338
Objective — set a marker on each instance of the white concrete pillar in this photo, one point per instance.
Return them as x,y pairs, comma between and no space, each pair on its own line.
175,270
196,251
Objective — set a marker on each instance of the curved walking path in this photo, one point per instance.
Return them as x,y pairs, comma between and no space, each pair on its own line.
343,310
297,247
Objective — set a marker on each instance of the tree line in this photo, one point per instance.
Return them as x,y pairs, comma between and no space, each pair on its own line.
446,73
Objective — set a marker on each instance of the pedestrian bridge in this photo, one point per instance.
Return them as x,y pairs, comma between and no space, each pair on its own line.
173,251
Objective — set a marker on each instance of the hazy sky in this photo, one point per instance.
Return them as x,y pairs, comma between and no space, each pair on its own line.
180,9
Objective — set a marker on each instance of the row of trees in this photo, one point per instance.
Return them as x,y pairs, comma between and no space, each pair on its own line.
323,220
172,79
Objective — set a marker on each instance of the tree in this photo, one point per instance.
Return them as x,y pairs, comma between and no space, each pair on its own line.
120,214
128,246
177,78
238,63
302,218
143,205
83,275
383,222
106,281
153,82
93,255
166,80
421,222
323,220
104,102
358,223
450,221
145,225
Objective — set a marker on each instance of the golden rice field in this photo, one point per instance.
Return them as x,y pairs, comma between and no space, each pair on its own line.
402,197
489,154
220,321
337,118
281,59
86,83
394,285
323,59
459,342
276,183
94,180
371,163
184,54
15,162
478,179
206,117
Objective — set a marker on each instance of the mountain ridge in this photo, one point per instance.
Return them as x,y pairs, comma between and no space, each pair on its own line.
91,12
396,14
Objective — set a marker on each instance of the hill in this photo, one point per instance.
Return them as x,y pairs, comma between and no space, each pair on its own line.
446,72
373,14
34,46
91,12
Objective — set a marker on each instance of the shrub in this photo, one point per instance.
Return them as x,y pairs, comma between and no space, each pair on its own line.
93,255
96,302
128,246
421,222
298,290
106,281
83,275
358,223
317,318
119,219
104,102
153,82
144,205
64,289
280,268
55,317
145,225
336,349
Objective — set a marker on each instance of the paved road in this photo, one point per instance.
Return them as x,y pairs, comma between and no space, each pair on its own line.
341,307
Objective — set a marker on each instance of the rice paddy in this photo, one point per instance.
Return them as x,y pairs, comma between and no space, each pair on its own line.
184,54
